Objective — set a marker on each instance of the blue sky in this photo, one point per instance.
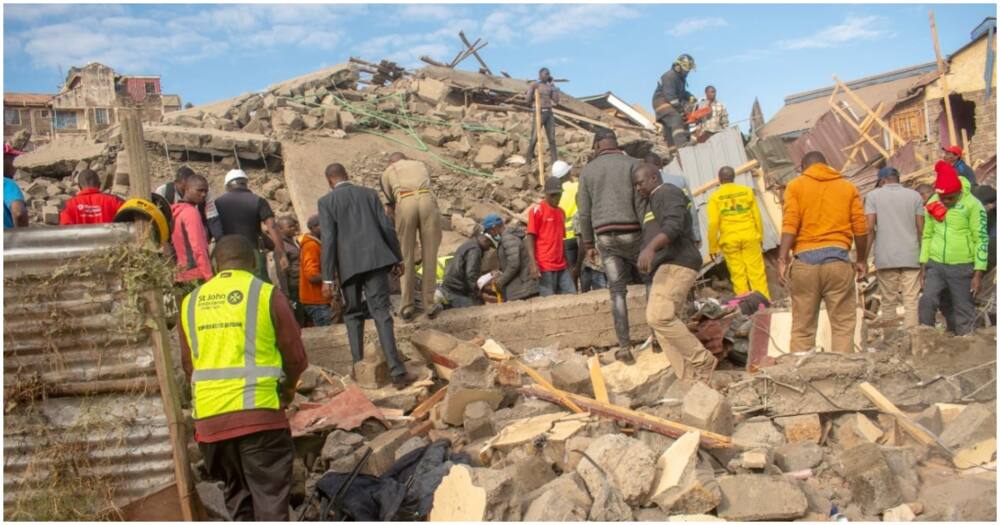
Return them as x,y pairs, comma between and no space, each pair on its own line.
207,52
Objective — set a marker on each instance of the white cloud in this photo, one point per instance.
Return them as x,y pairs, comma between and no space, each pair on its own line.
576,19
853,28
688,26
421,12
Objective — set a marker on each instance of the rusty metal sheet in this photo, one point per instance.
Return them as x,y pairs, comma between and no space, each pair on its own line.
830,136
85,430
346,411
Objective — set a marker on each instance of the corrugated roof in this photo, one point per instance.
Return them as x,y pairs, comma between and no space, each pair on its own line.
86,416
833,137
701,165
802,110
26,99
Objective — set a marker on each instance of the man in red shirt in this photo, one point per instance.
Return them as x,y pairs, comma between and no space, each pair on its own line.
546,230
90,206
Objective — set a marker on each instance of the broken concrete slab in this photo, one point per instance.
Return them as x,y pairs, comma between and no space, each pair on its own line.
679,486
340,76
212,141
432,90
340,443
372,372
477,420
645,382
798,456
758,431
488,156
854,429
445,351
758,497
59,157
384,448
562,499
977,422
627,462
805,427
706,409
873,484
457,498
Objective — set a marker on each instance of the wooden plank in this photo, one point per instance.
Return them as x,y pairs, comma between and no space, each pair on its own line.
918,432
538,138
599,123
475,53
861,103
850,120
426,405
942,70
138,165
640,420
559,395
743,168
597,380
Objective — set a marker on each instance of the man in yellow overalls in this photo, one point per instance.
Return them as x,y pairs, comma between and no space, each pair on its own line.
242,351
410,202
735,227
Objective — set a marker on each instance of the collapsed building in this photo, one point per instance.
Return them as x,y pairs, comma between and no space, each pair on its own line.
517,414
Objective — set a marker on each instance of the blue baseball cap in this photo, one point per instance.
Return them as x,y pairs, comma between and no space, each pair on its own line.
887,171
491,221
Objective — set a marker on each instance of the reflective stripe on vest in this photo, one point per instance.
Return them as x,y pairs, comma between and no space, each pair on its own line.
648,217
237,365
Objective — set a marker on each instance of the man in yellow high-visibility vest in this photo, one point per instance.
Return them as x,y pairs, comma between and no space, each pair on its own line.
242,351
735,227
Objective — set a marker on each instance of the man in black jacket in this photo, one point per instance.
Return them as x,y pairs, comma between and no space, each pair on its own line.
515,281
463,270
671,258
360,248
670,99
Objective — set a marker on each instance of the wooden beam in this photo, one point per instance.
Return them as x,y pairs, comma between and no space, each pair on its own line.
138,165
920,433
558,395
861,103
426,405
461,34
749,166
431,61
538,139
850,120
597,380
609,125
639,419
942,70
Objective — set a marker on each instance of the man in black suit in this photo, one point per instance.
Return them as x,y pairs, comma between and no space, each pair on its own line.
360,249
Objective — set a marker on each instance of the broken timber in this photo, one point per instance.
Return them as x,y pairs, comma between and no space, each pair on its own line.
562,397
640,420
597,379
882,403
751,165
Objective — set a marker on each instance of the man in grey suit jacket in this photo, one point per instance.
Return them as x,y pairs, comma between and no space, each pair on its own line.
360,249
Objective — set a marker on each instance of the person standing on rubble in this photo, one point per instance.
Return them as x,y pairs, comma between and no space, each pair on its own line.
173,192
953,253
314,301
242,352
953,156
671,259
546,230
671,101
895,218
716,121
188,235
288,227
680,182
609,210
735,228
822,215
241,212
409,200
15,211
90,205
548,99
567,203
359,251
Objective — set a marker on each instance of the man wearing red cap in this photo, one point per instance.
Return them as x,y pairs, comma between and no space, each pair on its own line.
953,156
15,212
953,253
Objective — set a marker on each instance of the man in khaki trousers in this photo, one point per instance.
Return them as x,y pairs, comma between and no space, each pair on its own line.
410,202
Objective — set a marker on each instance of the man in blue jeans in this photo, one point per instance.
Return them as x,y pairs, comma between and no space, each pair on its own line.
546,232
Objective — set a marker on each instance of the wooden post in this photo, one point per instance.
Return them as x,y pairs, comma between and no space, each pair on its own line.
740,170
138,166
171,399
966,156
538,138
597,379
952,136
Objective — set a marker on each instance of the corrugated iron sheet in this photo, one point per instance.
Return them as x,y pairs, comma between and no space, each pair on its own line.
102,415
830,136
701,165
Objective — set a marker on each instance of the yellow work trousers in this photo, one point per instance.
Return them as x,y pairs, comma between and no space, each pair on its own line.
418,215
745,261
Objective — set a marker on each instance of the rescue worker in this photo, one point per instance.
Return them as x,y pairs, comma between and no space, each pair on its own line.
672,261
458,287
671,100
735,228
242,352
410,202
90,205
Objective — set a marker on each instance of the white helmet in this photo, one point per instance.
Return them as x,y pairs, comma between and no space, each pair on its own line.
235,175
560,169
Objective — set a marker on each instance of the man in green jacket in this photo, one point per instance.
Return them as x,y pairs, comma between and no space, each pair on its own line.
953,253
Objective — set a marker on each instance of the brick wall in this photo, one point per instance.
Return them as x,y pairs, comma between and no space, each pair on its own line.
983,144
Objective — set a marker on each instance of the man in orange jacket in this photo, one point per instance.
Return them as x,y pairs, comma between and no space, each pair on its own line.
822,215
311,279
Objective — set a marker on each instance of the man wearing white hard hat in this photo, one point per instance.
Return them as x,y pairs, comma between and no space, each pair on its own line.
562,170
241,212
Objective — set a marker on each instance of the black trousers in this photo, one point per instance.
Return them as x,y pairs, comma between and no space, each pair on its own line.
549,123
374,303
257,472
947,287
675,130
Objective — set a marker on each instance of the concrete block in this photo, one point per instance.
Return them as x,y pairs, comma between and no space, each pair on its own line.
459,147
432,90
680,487
855,429
801,428
757,497
977,422
645,382
754,459
707,409
872,482
470,383
410,445
573,376
340,443
798,456
628,462
50,214
477,420
372,372
384,448
758,431
488,156
899,514
435,136
347,120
